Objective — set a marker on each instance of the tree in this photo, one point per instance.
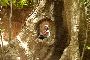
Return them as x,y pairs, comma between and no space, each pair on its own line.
72,51
65,45
43,11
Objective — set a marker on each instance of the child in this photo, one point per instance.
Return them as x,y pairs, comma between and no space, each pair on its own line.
45,33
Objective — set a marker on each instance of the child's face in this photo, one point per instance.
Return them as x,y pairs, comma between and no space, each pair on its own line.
45,27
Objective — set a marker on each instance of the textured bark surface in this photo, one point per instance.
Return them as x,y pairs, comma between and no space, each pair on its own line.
72,51
61,30
38,49
63,16
47,50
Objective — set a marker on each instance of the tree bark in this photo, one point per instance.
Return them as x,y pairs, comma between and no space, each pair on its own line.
61,30
40,50
72,51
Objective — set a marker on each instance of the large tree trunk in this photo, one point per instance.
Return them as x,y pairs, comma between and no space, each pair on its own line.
28,35
61,30
72,51
52,50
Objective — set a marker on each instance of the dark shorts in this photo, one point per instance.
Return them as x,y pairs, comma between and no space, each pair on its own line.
42,37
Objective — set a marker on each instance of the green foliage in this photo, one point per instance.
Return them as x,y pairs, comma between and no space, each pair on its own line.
88,47
18,4
84,2
21,3
4,2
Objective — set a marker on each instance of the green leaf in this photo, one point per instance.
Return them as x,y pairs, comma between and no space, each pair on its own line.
5,2
88,47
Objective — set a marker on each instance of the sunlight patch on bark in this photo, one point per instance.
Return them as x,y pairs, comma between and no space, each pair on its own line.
74,45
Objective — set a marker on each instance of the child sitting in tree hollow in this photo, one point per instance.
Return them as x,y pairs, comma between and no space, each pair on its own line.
45,33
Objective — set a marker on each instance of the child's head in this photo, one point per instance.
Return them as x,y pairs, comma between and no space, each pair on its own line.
46,27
